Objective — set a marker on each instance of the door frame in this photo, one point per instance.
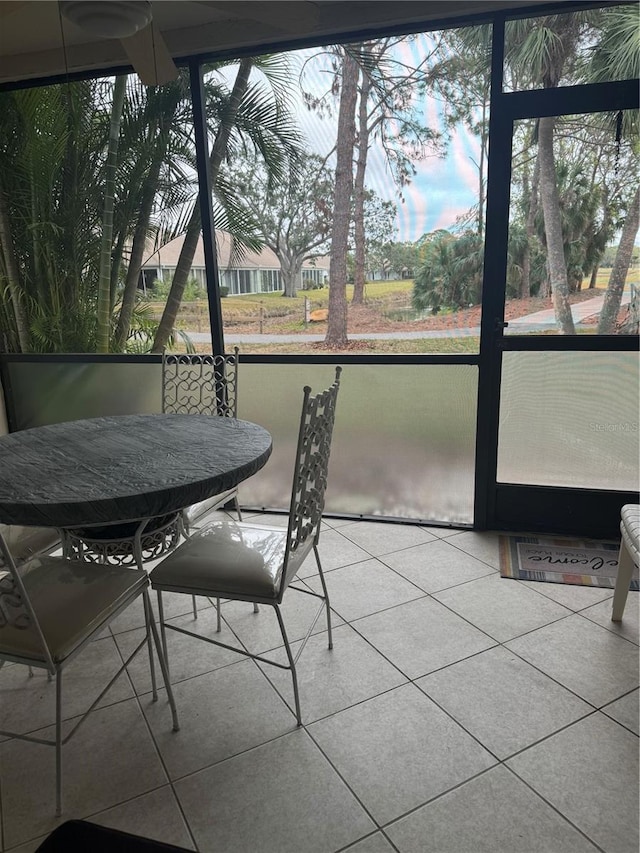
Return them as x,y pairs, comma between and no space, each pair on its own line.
502,506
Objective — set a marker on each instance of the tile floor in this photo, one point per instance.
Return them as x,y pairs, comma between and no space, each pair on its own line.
457,713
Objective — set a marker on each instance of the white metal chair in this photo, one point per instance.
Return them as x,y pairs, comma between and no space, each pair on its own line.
51,608
191,384
629,557
202,385
257,563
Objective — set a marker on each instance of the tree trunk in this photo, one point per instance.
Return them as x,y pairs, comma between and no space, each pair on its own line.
553,227
137,252
525,284
13,274
291,269
116,265
183,267
594,276
337,319
483,134
613,296
104,280
358,193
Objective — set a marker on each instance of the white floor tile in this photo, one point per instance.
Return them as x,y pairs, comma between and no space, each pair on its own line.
628,627
495,813
422,636
436,565
188,657
283,797
156,816
589,772
333,679
398,750
625,710
483,545
28,703
432,608
485,695
379,538
365,588
572,595
582,656
110,759
260,632
501,607
221,714
376,843
335,551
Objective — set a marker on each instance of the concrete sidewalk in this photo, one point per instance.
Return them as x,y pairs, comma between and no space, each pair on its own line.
546,319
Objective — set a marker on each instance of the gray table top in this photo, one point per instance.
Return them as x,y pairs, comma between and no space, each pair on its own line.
126,467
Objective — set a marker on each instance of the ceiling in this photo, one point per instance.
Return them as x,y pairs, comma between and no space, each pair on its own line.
32,43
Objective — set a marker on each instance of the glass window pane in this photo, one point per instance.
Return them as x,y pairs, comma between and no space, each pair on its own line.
99,180
408,269
49,392
404,440
556,430
573,264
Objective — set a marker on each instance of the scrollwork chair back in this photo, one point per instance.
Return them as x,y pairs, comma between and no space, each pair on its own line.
200,384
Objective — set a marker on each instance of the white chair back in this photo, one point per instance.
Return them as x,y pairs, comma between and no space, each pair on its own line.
310,477
200,384
17,614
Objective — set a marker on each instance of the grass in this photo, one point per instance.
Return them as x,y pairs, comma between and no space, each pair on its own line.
247,309
422,346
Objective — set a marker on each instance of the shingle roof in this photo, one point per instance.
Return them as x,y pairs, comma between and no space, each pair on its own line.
167,256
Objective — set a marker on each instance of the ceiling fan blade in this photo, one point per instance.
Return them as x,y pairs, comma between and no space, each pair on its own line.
150,57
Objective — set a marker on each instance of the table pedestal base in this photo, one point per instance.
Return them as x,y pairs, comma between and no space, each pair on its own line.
115,544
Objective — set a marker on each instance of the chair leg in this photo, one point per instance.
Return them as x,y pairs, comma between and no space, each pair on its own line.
218,615
163,630
326,596
236,502
238,510
292,664
58,743
623,581
148,618
195,607
163,662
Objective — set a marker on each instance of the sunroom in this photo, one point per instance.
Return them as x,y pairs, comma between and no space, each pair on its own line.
489,151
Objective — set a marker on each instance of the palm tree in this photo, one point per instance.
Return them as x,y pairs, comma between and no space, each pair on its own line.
618,55
52,149
160,131
451,273
248,116
543,49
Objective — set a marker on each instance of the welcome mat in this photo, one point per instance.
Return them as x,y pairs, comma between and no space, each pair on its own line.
558,560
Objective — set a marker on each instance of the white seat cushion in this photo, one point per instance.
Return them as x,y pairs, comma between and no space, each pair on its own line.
25,542
630,530
71,600
197,512
225,559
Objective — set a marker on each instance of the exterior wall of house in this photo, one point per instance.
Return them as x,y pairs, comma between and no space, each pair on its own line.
239,281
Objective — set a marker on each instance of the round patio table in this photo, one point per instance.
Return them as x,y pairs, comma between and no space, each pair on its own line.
102,471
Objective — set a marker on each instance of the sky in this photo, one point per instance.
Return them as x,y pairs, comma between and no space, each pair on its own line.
442,188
